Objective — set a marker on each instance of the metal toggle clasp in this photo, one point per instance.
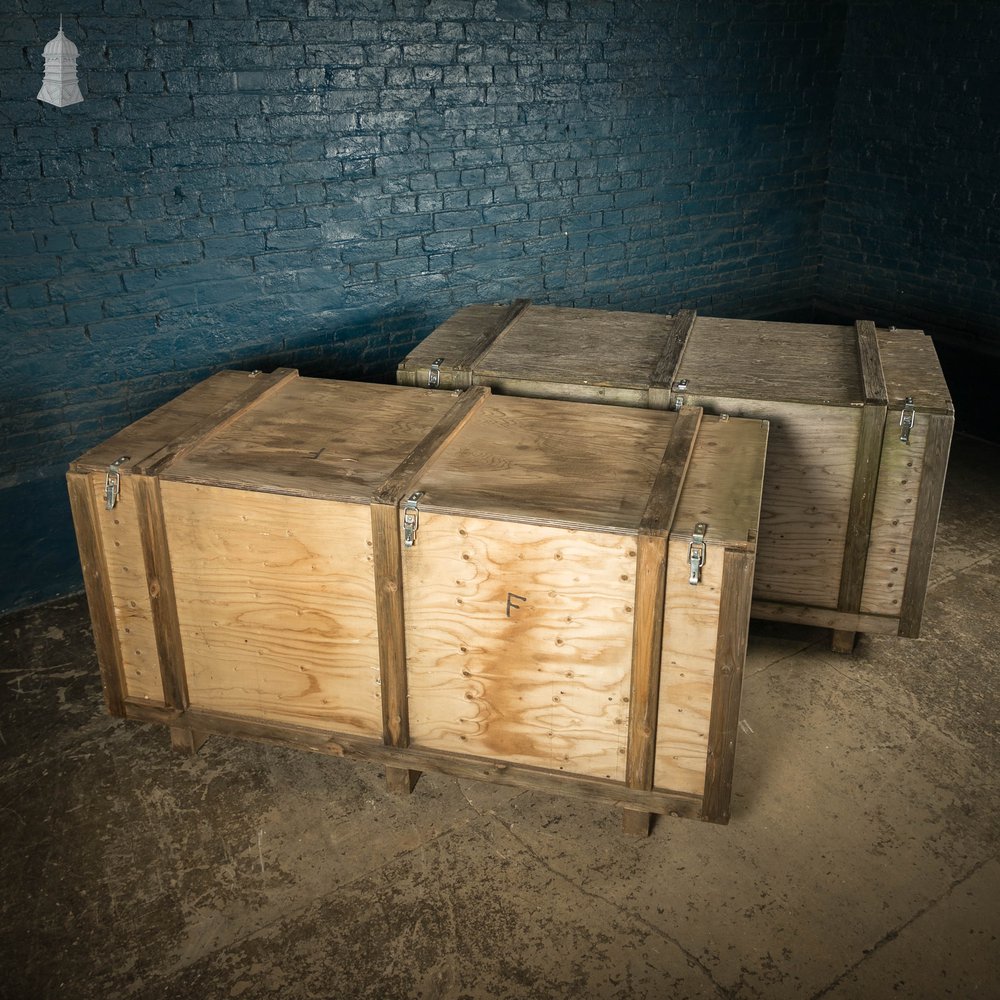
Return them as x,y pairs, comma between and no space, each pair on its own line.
434,375
411,519
906,419
680,386
112,483
696,553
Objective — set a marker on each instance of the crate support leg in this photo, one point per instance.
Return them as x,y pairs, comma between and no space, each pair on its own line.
636,823
187,741
842,641
401,780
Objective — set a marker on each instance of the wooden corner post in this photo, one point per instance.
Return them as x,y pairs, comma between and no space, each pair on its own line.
650,594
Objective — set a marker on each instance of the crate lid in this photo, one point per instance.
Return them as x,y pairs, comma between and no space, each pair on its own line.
594,467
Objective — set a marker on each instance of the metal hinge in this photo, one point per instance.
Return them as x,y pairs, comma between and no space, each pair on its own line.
112,483
680,386
696,553
411,519
434,374
906,419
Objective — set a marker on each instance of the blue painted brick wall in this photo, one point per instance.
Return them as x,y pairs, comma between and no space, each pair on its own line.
318,183
911,227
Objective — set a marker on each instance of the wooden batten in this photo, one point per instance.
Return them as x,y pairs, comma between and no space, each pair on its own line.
730,657
490,335
98,588
936,451
160,581
664,372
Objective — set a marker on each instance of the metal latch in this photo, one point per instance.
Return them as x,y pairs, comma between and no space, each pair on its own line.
112,483
680,386
696,553
906,419
434,375
411,519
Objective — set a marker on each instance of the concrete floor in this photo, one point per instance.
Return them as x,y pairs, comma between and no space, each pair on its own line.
861,860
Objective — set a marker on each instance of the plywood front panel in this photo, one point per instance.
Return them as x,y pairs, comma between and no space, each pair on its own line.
807,494
119,530
275,599
894,517
687,670
519,642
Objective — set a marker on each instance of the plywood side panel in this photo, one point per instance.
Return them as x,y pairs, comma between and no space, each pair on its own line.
807,495
893,517
276,605
578,392
519,642
687,670
122,543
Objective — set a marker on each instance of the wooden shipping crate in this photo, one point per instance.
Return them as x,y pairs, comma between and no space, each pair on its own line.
861,425
488,586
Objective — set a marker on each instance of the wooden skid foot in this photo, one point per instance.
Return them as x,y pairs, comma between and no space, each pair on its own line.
400,780
636,823
843,642
188,741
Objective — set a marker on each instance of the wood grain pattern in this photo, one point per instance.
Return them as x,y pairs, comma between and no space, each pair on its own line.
160,587
490,334
611,395
100,597
662,374
577,346
388,558
780,362
911,368
448,341
687,670
518,642
730,657
170,422
126,574
937,447
807,492
400,483
647,647
867,463
870,360
551,462
276,605
319,438
261,387
500,772
665,495
803,614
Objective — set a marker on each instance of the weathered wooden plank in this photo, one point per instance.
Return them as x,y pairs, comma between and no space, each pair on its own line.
160,583
399,483
485,339
261,388
658,517
662,375
647,645
544,780
935,467
391,626
99,596
730,656
140,710
802,614
872,376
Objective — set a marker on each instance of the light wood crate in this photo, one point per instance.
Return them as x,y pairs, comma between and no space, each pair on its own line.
245,551
861,426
